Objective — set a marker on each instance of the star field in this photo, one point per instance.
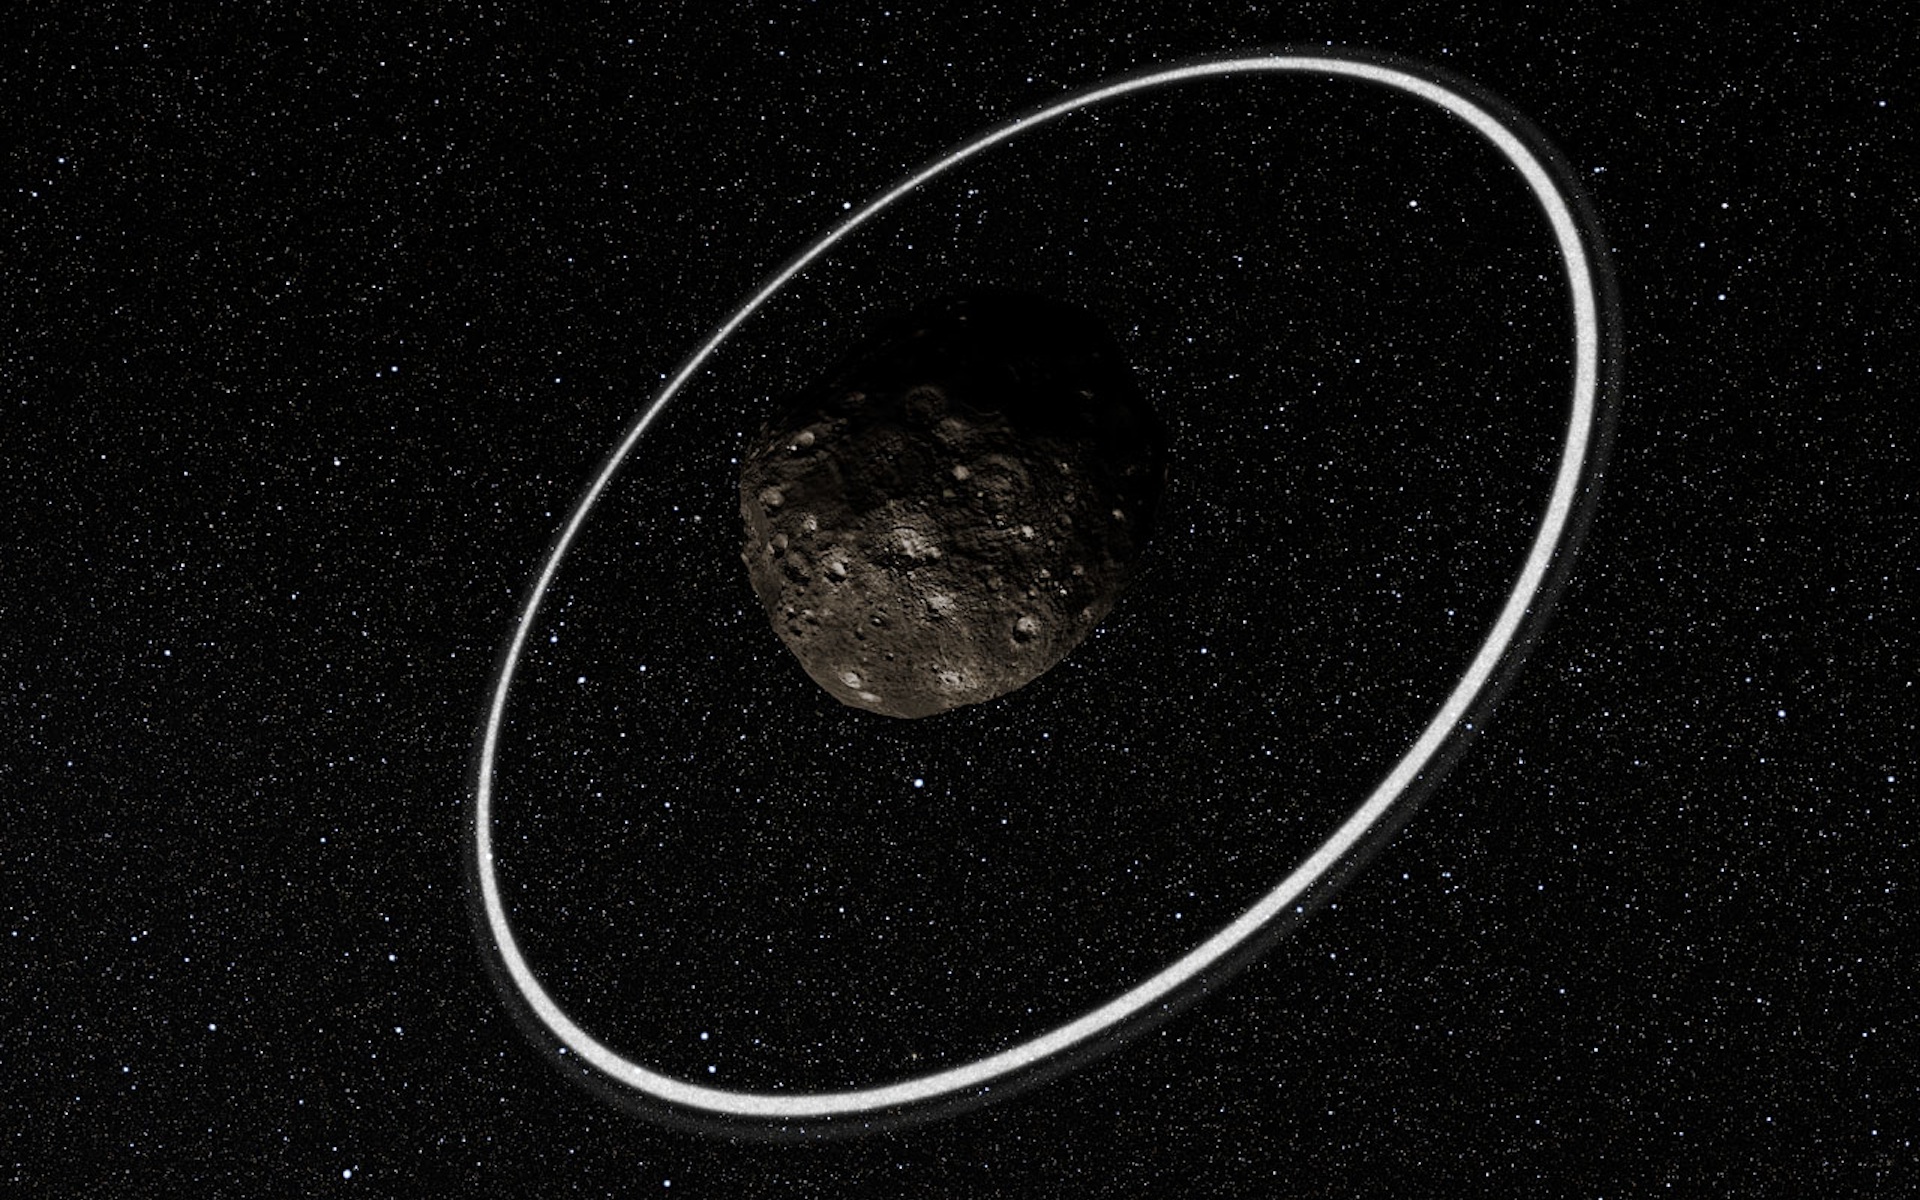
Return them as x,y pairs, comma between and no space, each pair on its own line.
317,327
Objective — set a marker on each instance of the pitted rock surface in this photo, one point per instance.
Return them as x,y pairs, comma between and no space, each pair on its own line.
955,506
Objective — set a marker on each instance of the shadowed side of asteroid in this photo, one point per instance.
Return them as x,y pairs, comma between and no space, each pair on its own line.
955,505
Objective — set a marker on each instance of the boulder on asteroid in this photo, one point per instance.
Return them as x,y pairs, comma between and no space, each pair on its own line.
955,505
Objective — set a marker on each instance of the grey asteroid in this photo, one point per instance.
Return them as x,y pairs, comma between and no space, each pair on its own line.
956,504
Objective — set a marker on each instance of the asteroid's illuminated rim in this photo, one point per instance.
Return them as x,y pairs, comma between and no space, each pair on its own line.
1344,843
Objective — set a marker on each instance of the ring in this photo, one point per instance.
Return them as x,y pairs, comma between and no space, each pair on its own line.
1569,504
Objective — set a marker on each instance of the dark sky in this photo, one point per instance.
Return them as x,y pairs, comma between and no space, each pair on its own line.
316,330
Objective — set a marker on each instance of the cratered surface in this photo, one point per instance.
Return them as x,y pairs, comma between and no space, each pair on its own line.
955,505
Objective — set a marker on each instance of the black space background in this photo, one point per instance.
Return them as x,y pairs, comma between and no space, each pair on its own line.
316,328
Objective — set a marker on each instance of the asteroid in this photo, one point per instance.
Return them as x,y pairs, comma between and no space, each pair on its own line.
955,505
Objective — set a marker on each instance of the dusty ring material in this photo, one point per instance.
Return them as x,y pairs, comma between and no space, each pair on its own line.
1578,459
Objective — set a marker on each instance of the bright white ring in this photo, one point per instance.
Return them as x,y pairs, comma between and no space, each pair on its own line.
982,1071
